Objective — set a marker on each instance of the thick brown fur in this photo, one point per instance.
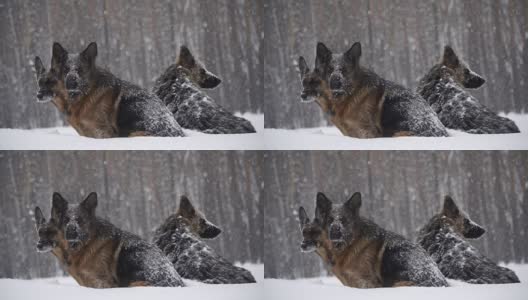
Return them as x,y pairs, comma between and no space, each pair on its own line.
359,114
359,264
95,114
94,265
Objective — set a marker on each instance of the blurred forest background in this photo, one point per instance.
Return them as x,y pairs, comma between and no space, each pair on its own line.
401,191
137,41
402,40
137,190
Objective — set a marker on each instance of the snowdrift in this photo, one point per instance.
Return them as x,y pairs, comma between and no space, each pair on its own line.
66,138
66,288
330,138
330,288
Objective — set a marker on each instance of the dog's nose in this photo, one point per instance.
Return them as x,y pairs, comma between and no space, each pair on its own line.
335,233
71,83
336,83
71,232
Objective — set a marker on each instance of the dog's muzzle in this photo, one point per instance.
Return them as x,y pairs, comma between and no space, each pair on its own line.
308,246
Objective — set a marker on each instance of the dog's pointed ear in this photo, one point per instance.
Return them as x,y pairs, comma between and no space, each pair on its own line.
39,67
354,203
450,59
59,205
58,54
450,208
354,53
303,217
323,55
186,208
323,205
186,59
90,53
303,66
39,217
90,203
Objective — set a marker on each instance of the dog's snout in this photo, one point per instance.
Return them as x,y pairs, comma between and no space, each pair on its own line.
71,82
336,83
335,232
71,232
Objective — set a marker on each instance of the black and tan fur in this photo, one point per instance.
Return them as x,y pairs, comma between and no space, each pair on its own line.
101,255
364,105
315,239
368,256
50,89
50,238
100,105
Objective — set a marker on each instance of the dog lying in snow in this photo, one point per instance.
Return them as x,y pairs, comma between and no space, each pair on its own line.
443,87
191,107
361,253
97,103
179,238
443,237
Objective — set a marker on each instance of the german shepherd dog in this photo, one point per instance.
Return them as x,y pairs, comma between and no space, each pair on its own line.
100,105
100,255
179,237
316,90
50,238
315,239
368,256
443,237
444,88
50,88
364,105
191,107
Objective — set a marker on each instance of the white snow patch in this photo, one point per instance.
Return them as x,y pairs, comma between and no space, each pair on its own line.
330,138
330,288
66,138
57,288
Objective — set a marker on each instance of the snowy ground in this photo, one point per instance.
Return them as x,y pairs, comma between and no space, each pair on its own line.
66,288
66,138
330,138
330,288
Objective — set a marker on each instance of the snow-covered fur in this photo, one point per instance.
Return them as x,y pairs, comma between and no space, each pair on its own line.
388,109
376,257
179,238
101,105
443,237
100,255
192,108
443,87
